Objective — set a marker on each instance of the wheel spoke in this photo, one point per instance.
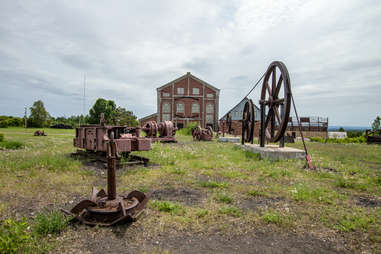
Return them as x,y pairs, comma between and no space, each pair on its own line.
277,116
278,86
278,101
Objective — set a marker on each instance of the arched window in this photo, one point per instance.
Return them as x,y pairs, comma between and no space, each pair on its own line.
209,108
166,107
180,107
195,108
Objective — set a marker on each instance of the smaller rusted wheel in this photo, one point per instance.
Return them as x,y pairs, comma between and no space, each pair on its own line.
229,122
248,122
166,128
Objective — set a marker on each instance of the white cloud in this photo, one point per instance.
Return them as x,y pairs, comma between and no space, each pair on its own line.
128,48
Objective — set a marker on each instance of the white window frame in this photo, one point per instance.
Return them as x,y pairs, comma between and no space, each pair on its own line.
180,90
166,107
209,108
182,108
195,107
195,90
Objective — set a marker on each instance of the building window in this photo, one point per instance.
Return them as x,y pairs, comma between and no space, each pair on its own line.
196,90
166,108
209,108
236,113
195,108
166,117
209,119
165,94
209,95
180,107
180,90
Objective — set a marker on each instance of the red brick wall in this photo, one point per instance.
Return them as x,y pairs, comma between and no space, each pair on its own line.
237,127
200,98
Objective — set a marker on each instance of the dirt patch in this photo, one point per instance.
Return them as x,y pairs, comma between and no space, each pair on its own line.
182,195
253,242
367,202
328,169
260,202
130,239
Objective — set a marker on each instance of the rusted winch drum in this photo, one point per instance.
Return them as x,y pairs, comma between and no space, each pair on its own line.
166,128
199,133
151,128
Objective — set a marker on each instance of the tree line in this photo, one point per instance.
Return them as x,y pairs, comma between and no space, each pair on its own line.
39,116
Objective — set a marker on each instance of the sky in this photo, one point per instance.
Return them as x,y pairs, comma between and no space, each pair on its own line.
126,49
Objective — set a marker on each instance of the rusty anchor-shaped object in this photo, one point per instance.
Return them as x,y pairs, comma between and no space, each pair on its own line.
109,209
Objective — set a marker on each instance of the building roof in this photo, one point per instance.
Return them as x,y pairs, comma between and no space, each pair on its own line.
239,108
147,117
188,74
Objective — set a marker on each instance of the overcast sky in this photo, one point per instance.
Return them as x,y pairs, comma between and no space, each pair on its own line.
127,49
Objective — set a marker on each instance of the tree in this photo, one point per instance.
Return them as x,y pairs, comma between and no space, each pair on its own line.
39,117
341,129
376,125
125,117
107,107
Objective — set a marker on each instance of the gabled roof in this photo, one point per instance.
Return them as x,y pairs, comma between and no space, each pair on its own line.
237,105
146,117
188,74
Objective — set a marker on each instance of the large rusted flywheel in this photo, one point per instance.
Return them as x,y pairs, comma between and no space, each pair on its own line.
275,102
248,122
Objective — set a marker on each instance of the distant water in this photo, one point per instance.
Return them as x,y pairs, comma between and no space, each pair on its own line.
348,128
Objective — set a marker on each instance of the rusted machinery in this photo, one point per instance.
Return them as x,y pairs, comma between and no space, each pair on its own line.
166,131
373,137
39,133
228,124
107,209
94,139
201,134
275,105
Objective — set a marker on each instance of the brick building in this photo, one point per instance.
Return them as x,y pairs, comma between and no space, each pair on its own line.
236,113
186,99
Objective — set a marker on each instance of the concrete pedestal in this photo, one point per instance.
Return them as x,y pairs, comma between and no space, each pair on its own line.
229,139
274,152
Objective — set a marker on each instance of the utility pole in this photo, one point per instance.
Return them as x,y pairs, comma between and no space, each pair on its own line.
25,118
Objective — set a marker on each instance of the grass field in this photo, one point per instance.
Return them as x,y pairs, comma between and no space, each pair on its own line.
206,197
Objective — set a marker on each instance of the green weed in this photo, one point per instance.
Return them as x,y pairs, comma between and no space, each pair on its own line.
224,198
232,211
201,212
14,236
169,207
11,145
52,222
213,184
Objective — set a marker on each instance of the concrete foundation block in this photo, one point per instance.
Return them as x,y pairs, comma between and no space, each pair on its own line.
274,152
229,139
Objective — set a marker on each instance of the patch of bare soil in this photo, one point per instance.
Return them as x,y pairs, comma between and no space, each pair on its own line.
254,242
368,202
124,240
182,195
259,202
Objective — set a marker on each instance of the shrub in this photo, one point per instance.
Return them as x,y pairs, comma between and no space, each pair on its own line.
188,130
347,140
13,145
1,137
52,222
4,124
